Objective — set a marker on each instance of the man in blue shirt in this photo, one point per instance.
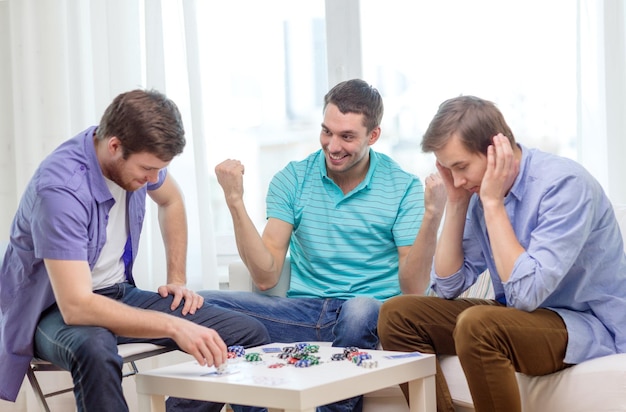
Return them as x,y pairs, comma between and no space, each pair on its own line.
355,224
547,233
67,292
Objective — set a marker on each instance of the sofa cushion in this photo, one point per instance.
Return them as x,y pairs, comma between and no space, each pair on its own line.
595,385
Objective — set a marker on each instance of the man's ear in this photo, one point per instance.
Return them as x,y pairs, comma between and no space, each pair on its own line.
114,145
374,135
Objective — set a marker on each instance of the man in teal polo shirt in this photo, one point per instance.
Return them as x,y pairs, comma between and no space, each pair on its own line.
358,229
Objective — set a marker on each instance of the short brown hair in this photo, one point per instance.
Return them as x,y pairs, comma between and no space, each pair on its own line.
356,96
476,121
144,121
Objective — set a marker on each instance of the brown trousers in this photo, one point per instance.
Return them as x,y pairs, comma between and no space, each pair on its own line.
492,342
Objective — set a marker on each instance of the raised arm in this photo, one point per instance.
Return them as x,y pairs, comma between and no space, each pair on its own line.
264,256
415,261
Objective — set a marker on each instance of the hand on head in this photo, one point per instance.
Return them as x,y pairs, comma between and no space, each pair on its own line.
502,169
454,194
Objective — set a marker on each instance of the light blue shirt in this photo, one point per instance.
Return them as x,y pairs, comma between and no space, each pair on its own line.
62,215
574,263
344,246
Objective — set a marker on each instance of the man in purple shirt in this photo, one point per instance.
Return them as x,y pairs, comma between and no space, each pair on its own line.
67,293
547,233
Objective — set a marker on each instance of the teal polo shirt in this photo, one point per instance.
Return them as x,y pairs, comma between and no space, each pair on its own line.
344,246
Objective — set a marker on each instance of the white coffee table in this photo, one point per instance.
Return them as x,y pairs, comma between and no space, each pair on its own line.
289,388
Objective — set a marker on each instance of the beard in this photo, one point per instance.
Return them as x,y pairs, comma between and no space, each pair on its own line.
117,175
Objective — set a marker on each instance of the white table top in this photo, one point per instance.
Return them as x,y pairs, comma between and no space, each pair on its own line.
287,387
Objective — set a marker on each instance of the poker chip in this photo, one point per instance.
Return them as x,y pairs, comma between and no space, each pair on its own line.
253,357
349,350
311,349
238,350
352,355
305,363
337,357
368,363
276,365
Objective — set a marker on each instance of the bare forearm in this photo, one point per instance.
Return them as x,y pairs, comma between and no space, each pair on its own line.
123,320
504,244
253,252
414,272
449,253
173,223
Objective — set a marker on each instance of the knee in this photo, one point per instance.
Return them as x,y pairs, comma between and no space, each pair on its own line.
260,334
361,310
390,313
98,349
472,325
252,332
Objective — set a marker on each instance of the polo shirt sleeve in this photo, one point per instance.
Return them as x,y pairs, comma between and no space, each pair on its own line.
410,214
281,194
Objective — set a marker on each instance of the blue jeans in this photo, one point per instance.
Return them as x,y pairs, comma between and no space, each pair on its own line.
345,323
89,353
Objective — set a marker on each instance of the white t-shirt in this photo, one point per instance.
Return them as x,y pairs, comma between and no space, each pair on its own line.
109,268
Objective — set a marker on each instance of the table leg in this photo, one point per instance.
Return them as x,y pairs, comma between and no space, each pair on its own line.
422,395
150,403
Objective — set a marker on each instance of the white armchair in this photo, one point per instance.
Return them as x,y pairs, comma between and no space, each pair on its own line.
595,385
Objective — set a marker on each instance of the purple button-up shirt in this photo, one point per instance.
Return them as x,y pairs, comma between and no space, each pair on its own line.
62,215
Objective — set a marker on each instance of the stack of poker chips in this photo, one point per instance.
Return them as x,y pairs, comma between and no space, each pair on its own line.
356,356
253,357
300,355
235,351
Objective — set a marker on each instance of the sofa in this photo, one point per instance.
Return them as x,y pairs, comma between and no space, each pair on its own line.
596,385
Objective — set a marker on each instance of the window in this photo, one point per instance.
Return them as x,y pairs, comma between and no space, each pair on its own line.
520,55
265,74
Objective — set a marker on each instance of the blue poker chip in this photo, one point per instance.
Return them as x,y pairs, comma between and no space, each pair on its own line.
237,349
302,363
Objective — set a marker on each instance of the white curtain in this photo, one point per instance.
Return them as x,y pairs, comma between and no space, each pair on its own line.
602,93
63,61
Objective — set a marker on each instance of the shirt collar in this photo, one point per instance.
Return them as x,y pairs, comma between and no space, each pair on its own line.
519,185
374,160
99,187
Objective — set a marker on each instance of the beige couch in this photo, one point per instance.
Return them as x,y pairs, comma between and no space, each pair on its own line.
594,386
